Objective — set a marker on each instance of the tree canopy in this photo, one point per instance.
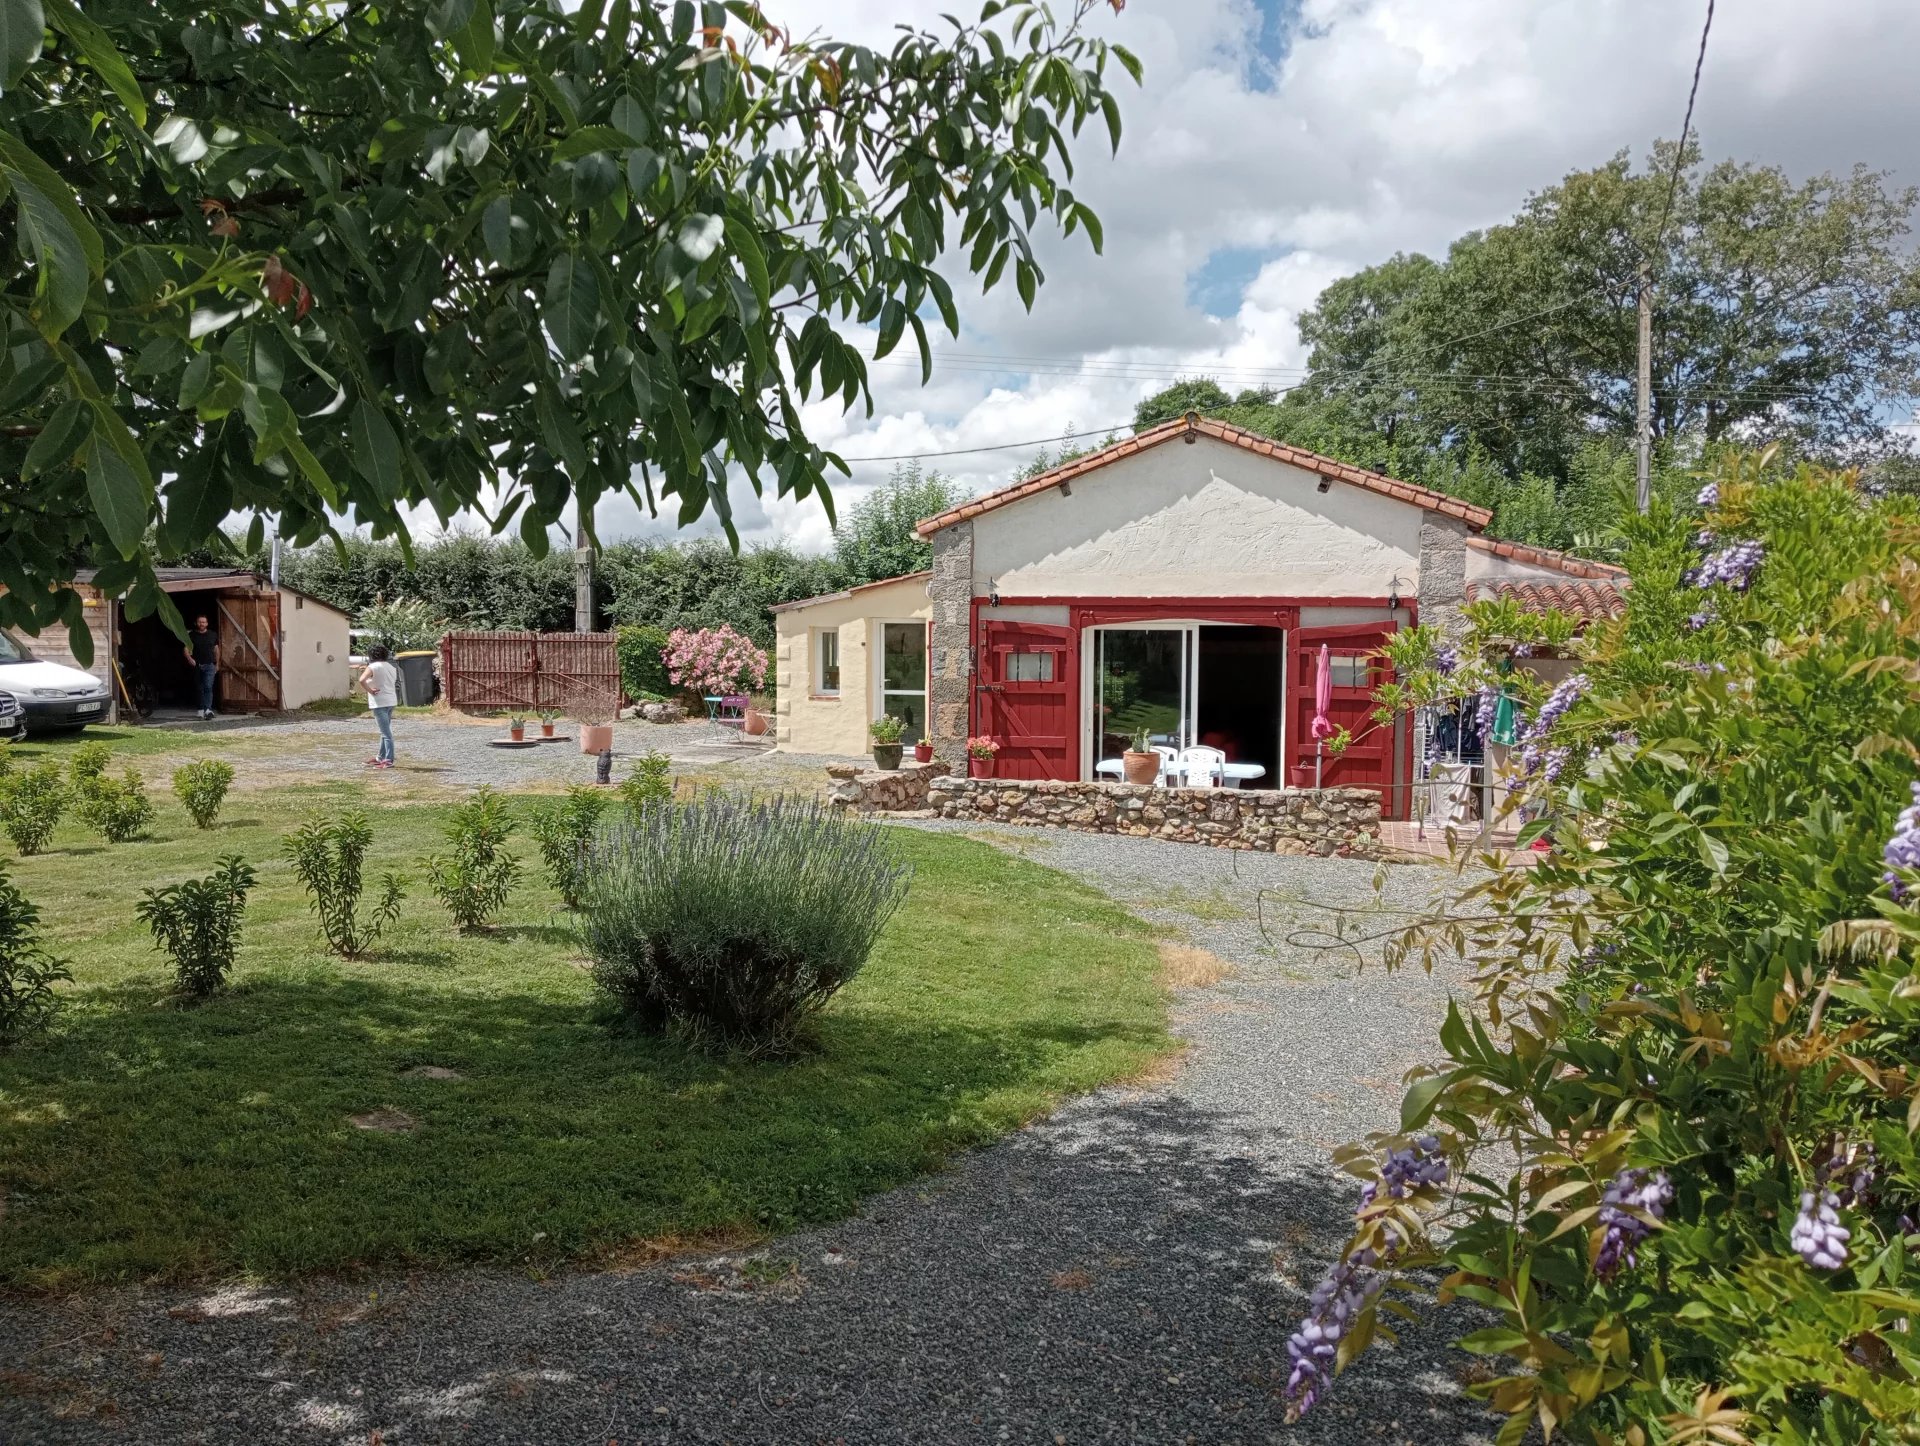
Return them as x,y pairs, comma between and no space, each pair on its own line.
876,539
1504,373
320,261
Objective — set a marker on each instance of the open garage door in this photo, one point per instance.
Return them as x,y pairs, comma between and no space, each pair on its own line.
249,629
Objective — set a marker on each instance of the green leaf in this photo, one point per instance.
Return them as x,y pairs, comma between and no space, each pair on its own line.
572,309
198,501
58,440
630,117
1416,1106
589,140
120,498
376,449
474,42
23,29
561,433
496,226
97,50
753,261
65,246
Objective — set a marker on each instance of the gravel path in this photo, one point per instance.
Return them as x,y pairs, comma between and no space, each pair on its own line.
1125,1271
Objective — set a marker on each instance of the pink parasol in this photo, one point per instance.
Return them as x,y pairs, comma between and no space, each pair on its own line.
1322,726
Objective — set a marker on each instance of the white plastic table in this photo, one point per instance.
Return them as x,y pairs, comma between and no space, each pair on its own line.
1236,773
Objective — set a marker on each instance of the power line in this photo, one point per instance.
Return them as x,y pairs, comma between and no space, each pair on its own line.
1002,447
1686,125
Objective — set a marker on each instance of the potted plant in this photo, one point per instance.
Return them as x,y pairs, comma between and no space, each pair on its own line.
885,732
517,727
755,721
1140,764
980,753
923,751
547,717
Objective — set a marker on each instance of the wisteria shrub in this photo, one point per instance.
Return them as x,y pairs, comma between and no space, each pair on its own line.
730,922
717,661
1671,1143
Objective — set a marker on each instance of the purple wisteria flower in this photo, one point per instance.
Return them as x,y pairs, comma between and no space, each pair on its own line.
1817,1234
1566,693
1850,1171
1410,1168
1733,566
1903,849
1483,710
1703,539
1523,650
1708,496
1626,738
1633,1189
1446,660
1554,763
1699,620
1342,1294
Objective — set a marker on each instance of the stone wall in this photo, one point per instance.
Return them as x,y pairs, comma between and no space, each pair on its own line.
950,666
1294,821
883,790
1443,572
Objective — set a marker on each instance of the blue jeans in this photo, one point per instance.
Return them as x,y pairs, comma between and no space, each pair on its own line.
208,672
384,718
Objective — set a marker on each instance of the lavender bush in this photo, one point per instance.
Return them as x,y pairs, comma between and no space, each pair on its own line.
1680,1110
730,922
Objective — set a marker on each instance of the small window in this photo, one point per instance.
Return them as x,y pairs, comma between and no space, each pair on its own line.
827,671
1029,667
1350,671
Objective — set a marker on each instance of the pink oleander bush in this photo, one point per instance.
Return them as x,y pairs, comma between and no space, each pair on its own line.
714,661
1667,1142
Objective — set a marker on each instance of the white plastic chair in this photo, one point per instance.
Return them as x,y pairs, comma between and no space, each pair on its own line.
1202,767
1169,763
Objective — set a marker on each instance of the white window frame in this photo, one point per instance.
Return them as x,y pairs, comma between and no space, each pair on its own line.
817,664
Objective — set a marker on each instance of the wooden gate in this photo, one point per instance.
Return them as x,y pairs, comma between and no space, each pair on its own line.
1027,698
1369,762
249,651
575,672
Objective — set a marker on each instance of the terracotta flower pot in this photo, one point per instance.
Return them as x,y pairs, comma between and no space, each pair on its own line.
517,732
546,729
596,737
979,767
886,755
755,724
1300,775
1140,767
923,752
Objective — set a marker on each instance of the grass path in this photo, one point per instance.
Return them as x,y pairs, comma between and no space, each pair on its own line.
144,1140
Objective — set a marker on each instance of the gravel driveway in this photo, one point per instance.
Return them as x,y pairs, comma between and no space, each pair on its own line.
1125,1271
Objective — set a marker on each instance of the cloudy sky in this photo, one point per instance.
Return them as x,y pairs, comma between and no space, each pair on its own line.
1279,144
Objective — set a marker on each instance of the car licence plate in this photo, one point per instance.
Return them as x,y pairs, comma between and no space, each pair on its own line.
93,707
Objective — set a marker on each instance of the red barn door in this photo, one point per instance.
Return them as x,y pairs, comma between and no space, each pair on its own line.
1026,697
1371,760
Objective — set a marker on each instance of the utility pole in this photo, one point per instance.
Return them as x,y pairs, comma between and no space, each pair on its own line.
583,568
1643,421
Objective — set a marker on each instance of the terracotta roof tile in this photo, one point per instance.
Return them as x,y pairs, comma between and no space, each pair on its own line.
1588,601
1475,517
1545,557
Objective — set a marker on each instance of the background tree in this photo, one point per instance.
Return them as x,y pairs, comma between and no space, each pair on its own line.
877,540
323,260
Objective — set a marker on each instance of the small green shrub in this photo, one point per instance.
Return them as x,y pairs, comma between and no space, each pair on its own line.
329,859
730,922
404,625
31,803
474,879
198,923
643,671
27,972
886,729
202,787
564,830
121,810
88,766
651,782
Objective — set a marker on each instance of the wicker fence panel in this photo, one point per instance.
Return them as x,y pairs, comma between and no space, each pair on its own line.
574,672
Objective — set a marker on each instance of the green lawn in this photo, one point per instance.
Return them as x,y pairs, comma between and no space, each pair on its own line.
146,1140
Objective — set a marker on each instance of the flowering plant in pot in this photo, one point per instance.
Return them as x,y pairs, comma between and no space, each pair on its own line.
885,732
1140,764
923,751
980,754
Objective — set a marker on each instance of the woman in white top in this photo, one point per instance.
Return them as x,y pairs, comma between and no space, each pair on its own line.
380,681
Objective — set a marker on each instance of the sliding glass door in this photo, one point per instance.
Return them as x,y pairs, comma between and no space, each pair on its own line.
1144,682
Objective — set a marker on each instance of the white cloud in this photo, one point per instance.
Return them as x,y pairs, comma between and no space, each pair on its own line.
1388,125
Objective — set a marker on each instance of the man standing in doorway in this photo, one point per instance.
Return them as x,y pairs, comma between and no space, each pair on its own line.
203,651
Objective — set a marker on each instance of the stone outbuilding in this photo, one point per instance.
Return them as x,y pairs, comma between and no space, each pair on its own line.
1179,584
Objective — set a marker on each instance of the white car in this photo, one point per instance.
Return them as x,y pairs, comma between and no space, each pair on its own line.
51,695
